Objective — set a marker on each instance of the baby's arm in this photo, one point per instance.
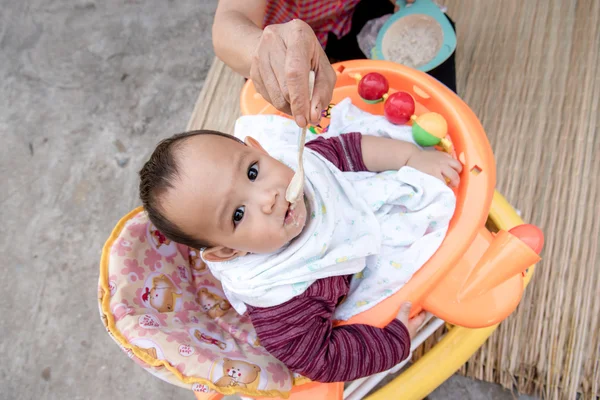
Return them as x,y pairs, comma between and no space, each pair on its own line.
356,152
384,154
300,333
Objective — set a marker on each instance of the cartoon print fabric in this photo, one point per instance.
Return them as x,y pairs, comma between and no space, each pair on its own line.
160,303
382,227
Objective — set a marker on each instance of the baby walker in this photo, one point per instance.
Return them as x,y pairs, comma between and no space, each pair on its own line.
161,305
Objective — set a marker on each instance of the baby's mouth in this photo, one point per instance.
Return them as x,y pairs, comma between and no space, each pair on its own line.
296,214
289,215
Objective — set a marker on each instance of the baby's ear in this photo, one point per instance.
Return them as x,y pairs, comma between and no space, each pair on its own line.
221,253
251,142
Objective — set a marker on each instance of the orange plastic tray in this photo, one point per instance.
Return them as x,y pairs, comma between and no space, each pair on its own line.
475,278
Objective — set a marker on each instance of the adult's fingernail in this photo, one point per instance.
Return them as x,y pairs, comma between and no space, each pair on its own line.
317,114
300,120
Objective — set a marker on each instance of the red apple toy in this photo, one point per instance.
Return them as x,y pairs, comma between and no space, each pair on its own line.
372,87
399,107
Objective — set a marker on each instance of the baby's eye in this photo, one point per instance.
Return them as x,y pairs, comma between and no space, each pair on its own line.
253,172
238,214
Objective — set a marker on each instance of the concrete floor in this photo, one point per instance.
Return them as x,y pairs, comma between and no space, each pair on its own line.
86,90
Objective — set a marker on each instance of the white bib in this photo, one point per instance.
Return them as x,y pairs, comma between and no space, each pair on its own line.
380,227
340,232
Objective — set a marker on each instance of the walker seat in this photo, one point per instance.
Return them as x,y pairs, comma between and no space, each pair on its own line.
159,302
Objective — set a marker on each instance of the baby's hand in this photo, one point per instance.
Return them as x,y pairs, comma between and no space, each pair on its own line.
437,164
411,324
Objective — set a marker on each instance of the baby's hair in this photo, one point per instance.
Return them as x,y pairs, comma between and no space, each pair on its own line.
157,176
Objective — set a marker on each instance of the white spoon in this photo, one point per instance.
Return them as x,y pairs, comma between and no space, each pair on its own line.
295,189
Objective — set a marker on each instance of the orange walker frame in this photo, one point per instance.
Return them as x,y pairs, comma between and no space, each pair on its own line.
475,279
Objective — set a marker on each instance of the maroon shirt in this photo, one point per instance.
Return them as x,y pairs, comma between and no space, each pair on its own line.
323,16
300,332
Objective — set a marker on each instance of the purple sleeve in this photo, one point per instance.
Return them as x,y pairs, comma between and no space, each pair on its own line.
300,333
343,151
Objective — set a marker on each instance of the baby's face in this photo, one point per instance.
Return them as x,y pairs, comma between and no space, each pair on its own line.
233,195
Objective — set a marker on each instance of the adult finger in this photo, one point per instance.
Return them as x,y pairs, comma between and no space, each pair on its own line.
255,75
273,89
299,39
277,64
272,67
323,91
262,74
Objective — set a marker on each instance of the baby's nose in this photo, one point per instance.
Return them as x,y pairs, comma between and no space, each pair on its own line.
269,201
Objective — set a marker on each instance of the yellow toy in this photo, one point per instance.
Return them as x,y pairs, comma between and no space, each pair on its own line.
431,129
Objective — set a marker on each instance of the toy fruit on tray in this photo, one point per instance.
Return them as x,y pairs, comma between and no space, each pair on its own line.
399,107
430,129
373,87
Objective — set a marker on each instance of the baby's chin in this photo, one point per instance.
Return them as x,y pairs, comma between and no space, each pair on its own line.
293,226
298,230
288,235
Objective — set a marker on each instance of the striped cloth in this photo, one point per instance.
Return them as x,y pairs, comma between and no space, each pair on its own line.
323,16
300,332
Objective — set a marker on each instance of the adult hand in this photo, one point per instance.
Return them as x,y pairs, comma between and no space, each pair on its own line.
280,65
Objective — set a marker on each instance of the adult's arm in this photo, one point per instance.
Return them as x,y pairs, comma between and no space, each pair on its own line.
237,30
276,58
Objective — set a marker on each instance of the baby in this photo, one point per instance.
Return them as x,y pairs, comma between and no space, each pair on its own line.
211,191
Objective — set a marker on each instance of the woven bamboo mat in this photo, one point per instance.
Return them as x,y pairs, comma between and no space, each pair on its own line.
218,105
529,70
